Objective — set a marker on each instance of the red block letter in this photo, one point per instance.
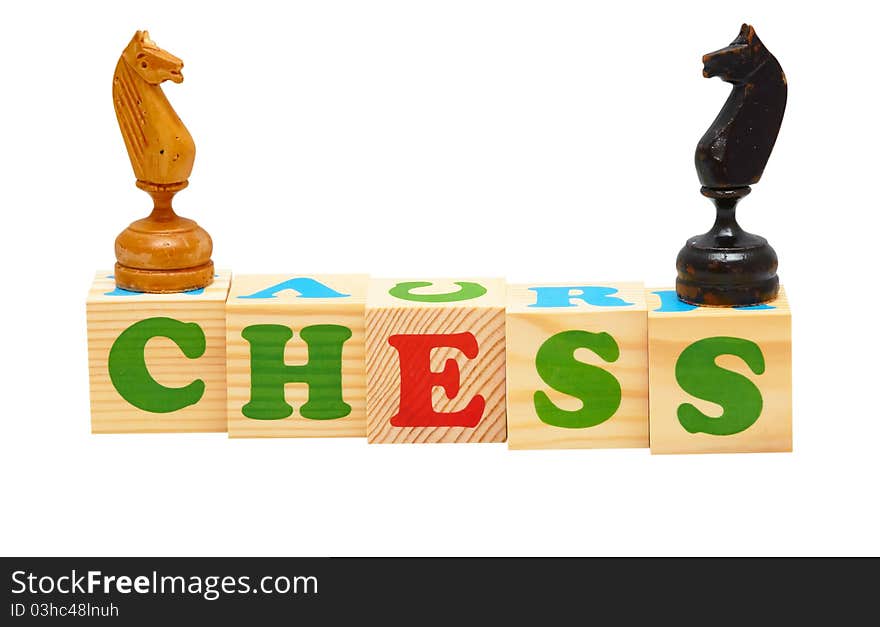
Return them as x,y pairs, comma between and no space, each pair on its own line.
417,381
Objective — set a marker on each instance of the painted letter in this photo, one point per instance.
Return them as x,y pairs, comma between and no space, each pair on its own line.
669,301
555,296
598,389
322,373
132,379
468,291
699,375
306,287
417,381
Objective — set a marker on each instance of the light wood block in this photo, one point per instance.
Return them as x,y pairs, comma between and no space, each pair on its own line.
589,340
455,392
325,396
720,378
132,365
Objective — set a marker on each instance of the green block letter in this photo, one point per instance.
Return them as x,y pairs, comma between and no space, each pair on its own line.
598,389
132,379
699,375
468,291
322,373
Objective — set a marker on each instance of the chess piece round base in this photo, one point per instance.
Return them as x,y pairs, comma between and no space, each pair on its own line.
163,252
164,281
726,267
699,282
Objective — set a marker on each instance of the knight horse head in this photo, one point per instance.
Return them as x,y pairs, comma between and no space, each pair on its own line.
150,62
738,61
159,146
735,149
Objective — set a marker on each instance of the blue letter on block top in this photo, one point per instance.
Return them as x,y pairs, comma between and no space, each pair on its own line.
590,294
669,301
118,291
306,287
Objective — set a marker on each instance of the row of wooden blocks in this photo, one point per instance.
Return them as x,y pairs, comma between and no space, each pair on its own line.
470,360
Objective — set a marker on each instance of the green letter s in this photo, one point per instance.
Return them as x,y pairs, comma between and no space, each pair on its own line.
559,369
699,375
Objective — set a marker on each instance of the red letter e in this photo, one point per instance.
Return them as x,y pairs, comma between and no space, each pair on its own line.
417,381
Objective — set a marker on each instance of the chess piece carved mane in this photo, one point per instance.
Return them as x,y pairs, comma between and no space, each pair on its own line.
163,252
728,266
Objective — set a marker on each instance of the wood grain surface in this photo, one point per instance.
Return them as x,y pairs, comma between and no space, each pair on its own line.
669,333
108,316
484,375
288,308
529,327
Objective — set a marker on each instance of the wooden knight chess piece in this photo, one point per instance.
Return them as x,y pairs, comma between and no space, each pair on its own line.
162,252
728,267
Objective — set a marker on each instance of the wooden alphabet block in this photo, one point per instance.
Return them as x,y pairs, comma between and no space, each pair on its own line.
577,366
295,356
435,361
720,378
157,361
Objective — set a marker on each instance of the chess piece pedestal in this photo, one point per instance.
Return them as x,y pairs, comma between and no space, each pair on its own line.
726,266
163,253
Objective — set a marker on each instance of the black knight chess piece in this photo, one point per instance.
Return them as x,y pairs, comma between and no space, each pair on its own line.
727,266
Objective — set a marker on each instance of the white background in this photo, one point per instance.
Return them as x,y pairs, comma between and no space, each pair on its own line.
370,136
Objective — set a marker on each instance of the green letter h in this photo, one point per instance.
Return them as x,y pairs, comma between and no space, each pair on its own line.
322,373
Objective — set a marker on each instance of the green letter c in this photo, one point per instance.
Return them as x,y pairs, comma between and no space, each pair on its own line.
468,291
131,377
